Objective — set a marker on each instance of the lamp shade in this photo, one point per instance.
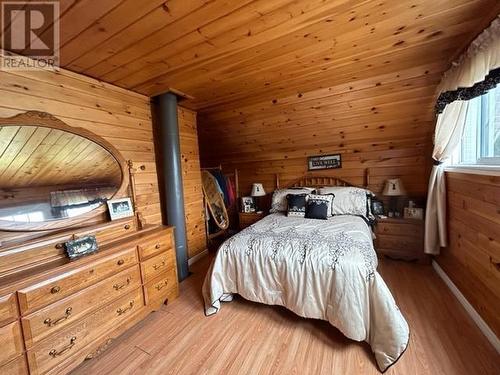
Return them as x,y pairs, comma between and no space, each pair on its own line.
394,187
258,190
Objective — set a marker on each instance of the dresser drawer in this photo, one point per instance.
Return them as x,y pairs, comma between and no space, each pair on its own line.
163,287
11,342
398,229
58,287
8,308
403,244
17,366
68,341
54,317
154,245
157,265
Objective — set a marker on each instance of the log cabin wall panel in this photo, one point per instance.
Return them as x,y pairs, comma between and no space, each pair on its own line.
383,124
472,258
120,116
191,180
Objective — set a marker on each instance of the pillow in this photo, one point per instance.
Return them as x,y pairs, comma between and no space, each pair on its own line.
317,209
296,205
328,198
279,204
349,200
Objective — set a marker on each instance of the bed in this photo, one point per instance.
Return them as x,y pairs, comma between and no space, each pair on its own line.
322,269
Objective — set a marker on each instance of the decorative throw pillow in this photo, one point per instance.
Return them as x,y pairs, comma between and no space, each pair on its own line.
349,200
296,205
279,204
328,198
317,209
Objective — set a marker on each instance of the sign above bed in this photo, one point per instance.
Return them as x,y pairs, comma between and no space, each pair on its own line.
324,162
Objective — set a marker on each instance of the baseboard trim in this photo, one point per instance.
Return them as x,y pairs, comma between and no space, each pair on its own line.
485,329
197,257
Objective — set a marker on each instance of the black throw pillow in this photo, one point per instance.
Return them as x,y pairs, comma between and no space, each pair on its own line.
296,205
317,209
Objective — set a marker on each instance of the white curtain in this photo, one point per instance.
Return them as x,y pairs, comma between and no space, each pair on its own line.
482,56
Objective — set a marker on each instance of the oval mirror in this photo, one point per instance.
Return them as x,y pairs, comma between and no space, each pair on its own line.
51,174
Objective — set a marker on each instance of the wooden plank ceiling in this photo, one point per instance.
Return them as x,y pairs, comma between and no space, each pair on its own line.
277,80
32,156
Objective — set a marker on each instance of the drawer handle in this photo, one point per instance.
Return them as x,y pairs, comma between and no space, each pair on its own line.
120,262
54,353
160,286
127,226
55,289
52,323
59,246
123,310
158,266
120,286
157,246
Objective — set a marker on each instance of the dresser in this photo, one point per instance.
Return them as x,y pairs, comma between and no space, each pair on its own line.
248,218
58,313
399,238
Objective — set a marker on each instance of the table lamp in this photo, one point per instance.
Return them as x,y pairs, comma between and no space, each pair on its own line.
257,192
393,189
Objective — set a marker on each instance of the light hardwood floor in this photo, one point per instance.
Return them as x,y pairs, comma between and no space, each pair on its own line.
250,338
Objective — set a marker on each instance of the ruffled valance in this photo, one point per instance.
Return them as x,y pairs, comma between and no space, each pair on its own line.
468,93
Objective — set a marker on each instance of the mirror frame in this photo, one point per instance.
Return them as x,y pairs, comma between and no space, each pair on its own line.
44,119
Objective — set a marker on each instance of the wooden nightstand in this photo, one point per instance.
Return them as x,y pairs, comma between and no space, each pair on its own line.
399,238
248,218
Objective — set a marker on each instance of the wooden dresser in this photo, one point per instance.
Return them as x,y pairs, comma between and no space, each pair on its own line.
399,238
248,218
58,313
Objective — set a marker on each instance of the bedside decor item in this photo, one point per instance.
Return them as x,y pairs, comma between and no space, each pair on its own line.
81,246
296,205
324,162
120,208
257,192
413,213
247,204
393,189
377,207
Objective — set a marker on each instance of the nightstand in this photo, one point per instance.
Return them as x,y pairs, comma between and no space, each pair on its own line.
399,238
248,218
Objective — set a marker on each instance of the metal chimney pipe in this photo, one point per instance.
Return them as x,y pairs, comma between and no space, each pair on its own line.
172,177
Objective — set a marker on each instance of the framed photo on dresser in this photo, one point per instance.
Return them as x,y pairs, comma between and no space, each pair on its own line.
120,208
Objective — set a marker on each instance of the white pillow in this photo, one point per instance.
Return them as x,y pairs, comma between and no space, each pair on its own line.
279,204
349,200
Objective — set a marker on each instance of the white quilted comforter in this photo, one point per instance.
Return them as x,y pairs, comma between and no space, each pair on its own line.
323,269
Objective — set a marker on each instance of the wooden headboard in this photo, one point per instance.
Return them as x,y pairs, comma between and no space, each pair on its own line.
319,181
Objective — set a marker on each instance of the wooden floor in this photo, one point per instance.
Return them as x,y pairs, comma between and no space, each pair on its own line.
250,338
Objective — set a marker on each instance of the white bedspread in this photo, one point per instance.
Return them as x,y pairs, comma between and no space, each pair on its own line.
323,269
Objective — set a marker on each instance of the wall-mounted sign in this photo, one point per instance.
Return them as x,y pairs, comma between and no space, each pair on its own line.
324,162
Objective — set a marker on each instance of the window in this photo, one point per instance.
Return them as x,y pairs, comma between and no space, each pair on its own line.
480,143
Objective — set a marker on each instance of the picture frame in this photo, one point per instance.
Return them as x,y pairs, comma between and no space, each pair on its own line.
247,204
319,162
81,246
377,207
120,208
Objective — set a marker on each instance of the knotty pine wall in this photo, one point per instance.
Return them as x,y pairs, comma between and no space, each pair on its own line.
472,259
191,179
383,123
120,116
